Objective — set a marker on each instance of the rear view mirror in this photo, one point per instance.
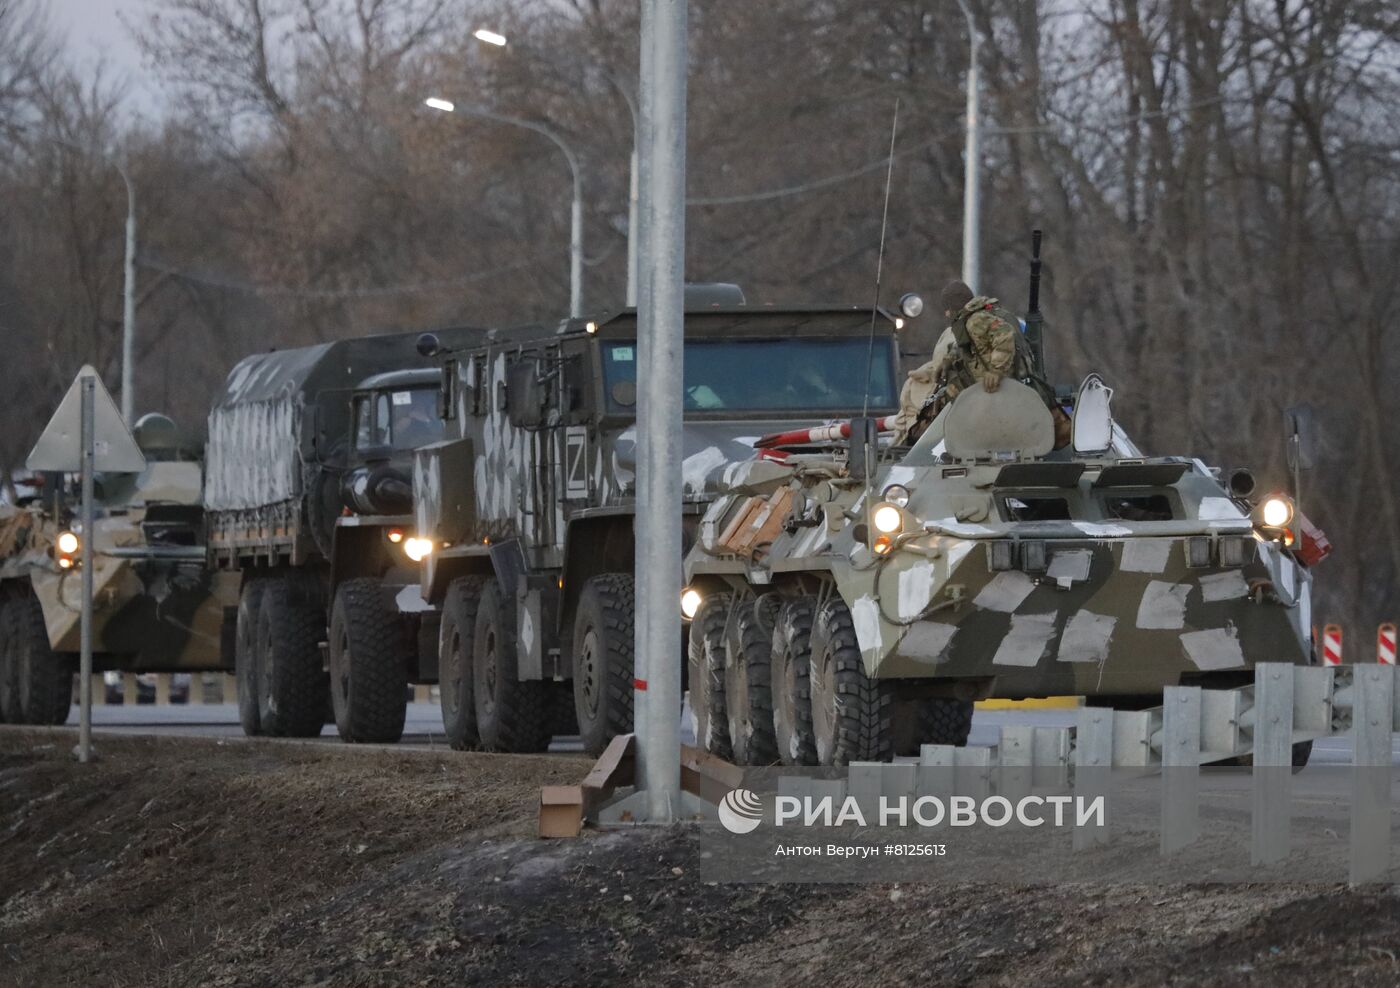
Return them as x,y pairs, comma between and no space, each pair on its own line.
447,391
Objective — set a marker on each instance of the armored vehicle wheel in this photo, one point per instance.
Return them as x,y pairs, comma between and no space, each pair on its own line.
369,664
40,680
852,714
291,683
245,656
705,658
603,659
455,661
511,714
932,720
748,693
791,679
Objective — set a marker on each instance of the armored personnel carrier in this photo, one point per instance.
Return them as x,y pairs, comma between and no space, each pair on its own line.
156,607
902,584
309,507
529,498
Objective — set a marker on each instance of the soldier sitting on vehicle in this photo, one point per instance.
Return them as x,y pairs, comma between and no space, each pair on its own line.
981,345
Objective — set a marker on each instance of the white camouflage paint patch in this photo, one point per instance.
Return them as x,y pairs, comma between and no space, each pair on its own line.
915,589
1219,509
410,600
1025,644
1146,555
1163,605
1230,585
1215,648
527,632
927,641
1070,565
1005,592
957,553
1086,637
904,476
696,467
865,615
1101,531
954,527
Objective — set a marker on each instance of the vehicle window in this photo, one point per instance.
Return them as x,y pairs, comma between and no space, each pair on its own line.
414,419
1138,507
1024,507
362,422
816,375
381,419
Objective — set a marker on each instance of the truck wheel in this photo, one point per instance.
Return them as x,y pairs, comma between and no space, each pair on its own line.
42,680
245,656
369,664
931,720
705,658
748,693
562,716
791,679
9,659
455,661
604,660
291,684
852,714
512,714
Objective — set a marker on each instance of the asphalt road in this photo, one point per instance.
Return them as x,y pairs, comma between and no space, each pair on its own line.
423,728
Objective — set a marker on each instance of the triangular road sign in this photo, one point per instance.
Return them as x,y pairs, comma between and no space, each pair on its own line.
60,446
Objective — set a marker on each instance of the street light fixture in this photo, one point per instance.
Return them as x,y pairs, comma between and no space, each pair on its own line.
634,185
576,209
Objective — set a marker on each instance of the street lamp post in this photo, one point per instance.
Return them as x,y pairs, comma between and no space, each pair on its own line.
575,210
497,40
972,167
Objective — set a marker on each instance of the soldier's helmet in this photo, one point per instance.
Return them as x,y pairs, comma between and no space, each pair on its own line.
159,437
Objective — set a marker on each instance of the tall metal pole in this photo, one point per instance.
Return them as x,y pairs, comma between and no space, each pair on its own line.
972,167
634,194
88,439
129,304
659,468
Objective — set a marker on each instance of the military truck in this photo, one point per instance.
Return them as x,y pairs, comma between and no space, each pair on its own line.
309,507
529,498
905,583
156,607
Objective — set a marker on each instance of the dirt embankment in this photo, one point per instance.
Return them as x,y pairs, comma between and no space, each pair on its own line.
191,862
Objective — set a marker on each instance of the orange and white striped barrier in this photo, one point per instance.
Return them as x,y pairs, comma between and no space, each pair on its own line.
1385,644
1332,645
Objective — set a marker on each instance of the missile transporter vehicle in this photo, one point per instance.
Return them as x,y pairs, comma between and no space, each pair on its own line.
156,608
529,499
904,583
309,508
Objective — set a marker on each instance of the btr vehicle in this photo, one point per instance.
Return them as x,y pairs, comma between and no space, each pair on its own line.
156,608
904,583
309,505
529,499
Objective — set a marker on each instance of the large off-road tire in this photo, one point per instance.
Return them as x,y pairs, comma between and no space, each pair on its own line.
748,694
705,654
931,720
246,673
455,661
9,660
291,683
603,659
852,714
369,664
40,689
563,718
511,714
791,682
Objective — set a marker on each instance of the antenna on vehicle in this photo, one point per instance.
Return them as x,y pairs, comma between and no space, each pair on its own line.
869,437
1034,319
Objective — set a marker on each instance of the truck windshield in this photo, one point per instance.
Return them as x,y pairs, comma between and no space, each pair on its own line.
407,418
814,375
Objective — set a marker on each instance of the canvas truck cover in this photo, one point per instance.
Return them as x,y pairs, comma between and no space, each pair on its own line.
255,452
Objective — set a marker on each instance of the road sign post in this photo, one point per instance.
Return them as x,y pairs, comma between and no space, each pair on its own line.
86,434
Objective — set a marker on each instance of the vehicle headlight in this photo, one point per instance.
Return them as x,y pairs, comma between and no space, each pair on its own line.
394,535
690,602
417,549
887,518
68,543
911,305
898,495
1276,511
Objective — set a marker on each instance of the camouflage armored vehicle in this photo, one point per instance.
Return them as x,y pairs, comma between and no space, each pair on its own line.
529,499
309,507
904,583
156,607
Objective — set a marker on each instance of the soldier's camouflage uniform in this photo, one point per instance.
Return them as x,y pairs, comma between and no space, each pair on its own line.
919,386
987,341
